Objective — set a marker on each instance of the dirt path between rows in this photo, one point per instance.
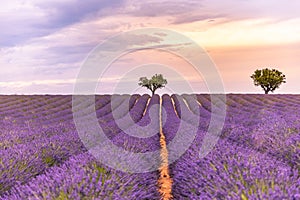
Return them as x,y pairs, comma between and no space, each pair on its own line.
164,181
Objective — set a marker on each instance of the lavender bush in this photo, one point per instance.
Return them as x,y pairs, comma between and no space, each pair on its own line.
256,157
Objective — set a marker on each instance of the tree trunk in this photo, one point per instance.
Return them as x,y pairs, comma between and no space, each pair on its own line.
153,92
266,91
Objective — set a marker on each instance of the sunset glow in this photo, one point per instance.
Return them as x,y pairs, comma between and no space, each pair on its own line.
43,45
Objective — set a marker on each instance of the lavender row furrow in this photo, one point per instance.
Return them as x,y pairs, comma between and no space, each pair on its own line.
42,156
82,177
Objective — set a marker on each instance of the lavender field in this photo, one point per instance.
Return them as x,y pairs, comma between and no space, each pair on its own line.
256,157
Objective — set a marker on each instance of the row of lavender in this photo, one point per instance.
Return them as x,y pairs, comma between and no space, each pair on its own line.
42,157
45,159
257,156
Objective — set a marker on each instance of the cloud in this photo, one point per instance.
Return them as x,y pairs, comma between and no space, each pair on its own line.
17,24
21,21
158,8
189,18
18,84
63,13
49,39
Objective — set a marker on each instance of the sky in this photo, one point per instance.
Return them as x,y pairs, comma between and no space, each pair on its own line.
45,44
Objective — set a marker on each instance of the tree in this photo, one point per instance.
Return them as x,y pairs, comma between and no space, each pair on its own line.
156,82
268,79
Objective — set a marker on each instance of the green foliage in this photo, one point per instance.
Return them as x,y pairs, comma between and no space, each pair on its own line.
268,79
62,196
50,161
157,81
102,172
